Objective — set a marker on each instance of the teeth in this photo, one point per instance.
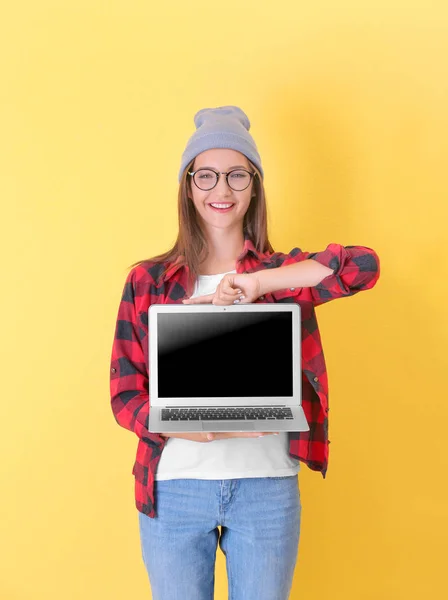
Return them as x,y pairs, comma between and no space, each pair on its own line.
221,205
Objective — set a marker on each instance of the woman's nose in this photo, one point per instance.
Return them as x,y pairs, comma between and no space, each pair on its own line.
222,186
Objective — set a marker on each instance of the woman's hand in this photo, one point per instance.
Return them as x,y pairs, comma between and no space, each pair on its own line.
234,288
211,436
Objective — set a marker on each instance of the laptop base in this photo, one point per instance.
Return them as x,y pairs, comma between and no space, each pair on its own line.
297,423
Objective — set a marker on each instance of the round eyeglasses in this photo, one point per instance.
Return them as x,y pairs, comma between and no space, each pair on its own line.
237,179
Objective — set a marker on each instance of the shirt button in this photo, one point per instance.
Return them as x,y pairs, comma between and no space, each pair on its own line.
315,378
292,289
261,297
114,370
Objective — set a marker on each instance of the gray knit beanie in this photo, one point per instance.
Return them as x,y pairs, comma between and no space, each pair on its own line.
221,127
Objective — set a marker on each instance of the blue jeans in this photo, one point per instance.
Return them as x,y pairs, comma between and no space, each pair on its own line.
260,529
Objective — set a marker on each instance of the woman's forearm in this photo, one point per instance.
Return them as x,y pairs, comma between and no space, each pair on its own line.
306,273
194,437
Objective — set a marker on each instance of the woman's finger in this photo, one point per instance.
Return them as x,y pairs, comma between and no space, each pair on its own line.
226,297
200,299
226,288
229,296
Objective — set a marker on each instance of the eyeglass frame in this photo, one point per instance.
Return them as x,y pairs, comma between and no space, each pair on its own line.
218,174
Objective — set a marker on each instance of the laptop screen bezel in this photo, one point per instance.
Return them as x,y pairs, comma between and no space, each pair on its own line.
156,309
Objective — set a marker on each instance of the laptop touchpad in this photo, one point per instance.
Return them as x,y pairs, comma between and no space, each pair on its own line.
228,426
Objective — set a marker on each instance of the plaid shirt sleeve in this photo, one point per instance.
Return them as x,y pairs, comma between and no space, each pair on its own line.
355,268
128,373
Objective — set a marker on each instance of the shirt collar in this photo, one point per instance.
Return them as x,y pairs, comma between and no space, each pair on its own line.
249,248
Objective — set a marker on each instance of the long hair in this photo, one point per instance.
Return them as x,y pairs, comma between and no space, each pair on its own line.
191,243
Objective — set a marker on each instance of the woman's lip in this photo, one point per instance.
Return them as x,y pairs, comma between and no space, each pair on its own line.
221,210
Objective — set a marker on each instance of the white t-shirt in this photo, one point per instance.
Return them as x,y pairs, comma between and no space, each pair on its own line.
232,458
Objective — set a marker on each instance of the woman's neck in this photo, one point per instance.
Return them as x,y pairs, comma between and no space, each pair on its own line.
223,250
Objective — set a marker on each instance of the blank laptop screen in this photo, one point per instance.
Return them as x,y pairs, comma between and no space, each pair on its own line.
225,354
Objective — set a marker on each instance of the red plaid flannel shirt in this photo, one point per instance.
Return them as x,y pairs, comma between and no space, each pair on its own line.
355,268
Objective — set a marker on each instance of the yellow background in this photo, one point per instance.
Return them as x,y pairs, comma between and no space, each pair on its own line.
348,103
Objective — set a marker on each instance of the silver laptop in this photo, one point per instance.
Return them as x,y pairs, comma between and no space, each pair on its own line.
225,368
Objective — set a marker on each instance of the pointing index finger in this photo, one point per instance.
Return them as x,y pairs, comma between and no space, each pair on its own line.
199,299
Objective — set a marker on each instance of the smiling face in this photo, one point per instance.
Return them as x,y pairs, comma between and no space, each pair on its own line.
221,160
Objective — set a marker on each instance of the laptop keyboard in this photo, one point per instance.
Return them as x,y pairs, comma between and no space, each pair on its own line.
223,413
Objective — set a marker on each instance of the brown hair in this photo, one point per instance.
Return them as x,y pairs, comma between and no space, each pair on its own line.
191,242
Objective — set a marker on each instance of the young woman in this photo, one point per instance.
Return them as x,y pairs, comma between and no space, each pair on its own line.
195,490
